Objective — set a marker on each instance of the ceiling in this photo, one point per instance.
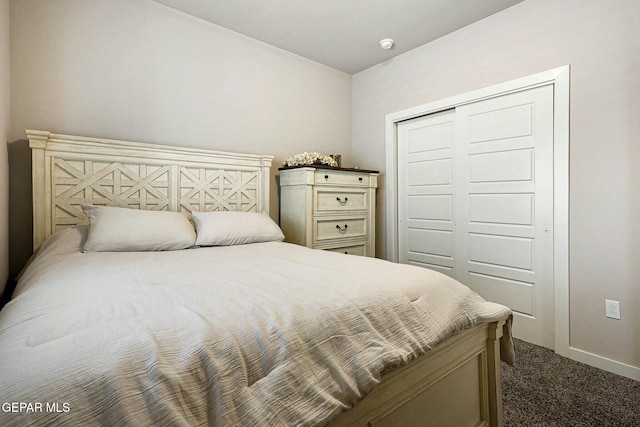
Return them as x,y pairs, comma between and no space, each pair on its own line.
342,34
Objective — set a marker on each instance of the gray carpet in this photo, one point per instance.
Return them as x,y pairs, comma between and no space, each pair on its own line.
544,389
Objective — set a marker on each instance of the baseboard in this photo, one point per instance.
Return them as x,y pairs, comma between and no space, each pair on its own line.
604,363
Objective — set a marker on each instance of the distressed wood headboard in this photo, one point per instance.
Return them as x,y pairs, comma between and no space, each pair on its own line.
69,171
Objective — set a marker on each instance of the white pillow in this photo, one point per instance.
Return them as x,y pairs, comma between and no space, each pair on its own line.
127,230
228,228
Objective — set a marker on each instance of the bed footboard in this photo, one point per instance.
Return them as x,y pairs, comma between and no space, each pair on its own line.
456,384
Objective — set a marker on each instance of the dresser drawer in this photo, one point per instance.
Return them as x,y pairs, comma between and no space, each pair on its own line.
339,228
334,199
330,177
360,249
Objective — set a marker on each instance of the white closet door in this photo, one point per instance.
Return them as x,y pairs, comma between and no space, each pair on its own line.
504,201
425,198
475,201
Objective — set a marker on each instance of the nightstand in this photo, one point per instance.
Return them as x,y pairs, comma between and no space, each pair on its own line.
329,208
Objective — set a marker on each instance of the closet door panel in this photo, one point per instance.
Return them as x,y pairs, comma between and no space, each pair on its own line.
504,206
425,191
501,166
435,207
504,123
507,209
430,172
518,295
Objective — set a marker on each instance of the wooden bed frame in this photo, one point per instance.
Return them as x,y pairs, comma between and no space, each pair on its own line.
456,384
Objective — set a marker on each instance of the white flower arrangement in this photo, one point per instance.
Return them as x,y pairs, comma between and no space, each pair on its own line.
309,159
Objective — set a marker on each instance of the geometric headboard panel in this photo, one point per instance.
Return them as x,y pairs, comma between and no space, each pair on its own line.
69,171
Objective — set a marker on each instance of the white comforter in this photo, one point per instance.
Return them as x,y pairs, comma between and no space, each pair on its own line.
259,334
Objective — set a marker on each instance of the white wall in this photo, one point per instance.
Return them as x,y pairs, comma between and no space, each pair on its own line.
601,42
141,71
5,116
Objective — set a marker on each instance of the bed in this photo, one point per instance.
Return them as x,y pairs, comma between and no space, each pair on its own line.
230,328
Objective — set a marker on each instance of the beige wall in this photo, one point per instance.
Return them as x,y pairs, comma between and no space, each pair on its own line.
5,116
140,71
601,42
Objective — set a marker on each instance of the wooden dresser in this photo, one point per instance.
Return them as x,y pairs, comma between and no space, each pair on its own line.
329,208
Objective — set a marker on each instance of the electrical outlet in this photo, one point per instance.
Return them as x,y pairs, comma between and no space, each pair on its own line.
612,309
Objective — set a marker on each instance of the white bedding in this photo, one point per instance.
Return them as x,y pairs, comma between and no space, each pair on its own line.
258,334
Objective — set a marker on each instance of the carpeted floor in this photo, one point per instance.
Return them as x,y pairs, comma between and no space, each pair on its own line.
544,389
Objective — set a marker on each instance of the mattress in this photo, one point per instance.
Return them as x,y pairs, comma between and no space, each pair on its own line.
256,334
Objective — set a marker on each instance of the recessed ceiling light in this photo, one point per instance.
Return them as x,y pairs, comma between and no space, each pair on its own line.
386,44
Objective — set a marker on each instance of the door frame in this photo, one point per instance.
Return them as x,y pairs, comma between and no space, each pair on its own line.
560,79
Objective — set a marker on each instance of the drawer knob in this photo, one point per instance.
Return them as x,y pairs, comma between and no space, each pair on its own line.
326,177
360,179
341,202
342,230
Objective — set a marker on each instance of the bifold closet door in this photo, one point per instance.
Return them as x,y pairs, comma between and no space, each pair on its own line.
475,201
